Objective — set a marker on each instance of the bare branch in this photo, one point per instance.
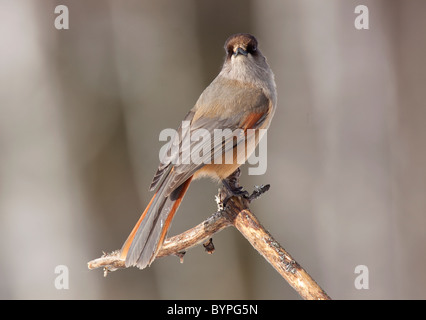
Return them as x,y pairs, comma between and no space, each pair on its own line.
250,227
238,214
176,245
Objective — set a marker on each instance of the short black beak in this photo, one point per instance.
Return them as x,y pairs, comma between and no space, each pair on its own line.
240,51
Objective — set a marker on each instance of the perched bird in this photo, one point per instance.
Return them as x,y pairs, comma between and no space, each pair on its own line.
241,98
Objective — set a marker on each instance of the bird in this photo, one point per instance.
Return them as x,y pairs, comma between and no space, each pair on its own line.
242,98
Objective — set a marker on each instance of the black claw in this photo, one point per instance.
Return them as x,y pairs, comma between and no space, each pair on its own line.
233,189
240,192
225,201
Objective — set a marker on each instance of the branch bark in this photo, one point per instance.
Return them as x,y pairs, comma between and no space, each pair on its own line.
237,214
250,227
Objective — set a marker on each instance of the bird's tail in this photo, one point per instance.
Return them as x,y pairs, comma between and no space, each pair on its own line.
149,233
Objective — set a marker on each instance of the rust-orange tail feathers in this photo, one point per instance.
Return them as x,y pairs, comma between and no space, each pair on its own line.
149,233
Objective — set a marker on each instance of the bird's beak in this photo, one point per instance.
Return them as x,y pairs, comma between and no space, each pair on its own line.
240,50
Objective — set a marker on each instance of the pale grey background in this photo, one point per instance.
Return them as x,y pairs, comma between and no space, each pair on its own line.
81,110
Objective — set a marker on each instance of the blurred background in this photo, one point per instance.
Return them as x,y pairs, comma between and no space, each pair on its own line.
81,111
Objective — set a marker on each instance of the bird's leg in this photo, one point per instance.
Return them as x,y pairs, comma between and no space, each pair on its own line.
233,188
235,191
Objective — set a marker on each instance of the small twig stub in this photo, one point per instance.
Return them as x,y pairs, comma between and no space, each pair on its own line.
208,246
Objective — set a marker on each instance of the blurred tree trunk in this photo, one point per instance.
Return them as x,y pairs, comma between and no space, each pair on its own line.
409,148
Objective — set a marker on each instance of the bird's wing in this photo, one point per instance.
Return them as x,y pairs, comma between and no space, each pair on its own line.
180,164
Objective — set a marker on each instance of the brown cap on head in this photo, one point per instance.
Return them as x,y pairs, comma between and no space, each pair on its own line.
244,41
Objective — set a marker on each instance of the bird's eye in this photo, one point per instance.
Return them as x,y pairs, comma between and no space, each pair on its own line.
251,49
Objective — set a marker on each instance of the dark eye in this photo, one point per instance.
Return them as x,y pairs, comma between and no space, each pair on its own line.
251,49
230,50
